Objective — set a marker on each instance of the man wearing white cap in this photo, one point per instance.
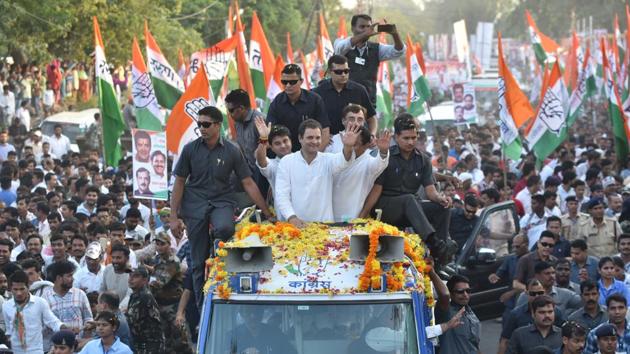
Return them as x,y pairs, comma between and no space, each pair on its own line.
90,276
35,141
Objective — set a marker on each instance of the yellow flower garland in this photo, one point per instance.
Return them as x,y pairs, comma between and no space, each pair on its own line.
289,245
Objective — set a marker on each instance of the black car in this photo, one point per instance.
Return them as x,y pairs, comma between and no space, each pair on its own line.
482,254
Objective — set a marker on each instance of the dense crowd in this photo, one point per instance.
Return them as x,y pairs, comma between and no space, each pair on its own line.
87,267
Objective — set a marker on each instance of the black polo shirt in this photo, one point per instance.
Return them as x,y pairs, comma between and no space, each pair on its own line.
405,176
335,101
461,227
308,106
208,174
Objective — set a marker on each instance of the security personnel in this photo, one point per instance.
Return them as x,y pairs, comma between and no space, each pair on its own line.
394,192
599,231
143,315
364,56
167,288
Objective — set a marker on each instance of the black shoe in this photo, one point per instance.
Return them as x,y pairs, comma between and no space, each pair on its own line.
443,250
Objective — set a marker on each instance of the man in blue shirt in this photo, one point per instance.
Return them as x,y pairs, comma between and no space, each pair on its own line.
106,326
617,306
7,196
583,266
506,271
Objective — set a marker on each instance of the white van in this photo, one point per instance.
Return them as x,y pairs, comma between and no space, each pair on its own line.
75,124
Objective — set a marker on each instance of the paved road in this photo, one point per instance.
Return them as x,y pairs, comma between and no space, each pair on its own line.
490,333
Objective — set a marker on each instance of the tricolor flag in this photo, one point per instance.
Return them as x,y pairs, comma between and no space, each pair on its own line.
325,45
111,116
514,109
148,113
584,87
342,32
420,56
275,86
181,127
306,82
167,83
621,130
260,59
384,93
620,48
182,66
545,48
550,126
571,64
215,59
418,87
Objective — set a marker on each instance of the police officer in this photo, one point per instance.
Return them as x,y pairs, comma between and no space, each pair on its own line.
600,232
167,288
143,315
364,56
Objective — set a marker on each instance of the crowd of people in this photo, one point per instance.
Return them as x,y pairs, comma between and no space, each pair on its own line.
86,267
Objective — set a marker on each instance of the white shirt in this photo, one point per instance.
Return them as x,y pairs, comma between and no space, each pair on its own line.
336,145
477,176
88,281
270,173
8,103
59,146
562,195
536,226
17,250
25,117
144,211
43,228
526,198
353,185
49,98
305,190
37,315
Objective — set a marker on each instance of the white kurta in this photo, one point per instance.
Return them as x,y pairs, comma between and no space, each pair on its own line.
305,190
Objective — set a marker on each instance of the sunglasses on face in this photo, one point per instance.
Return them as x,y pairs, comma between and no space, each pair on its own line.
341,71
289,82
536,293
231,110
461,291
207,125
547,245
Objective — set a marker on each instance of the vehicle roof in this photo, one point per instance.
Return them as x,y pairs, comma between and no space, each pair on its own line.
84,117
316,260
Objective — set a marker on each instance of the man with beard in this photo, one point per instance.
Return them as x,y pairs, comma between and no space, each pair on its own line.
116,274
134,230
88,207
573,338
70,305
592,314
26,316
90,277
33,270
616,307
540,332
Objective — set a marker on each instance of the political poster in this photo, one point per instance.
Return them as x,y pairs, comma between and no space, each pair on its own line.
464,103
150,180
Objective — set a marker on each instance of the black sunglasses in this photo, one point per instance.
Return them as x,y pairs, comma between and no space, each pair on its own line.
341,71
289,82
536,293
231,110
207,124
547,245
461,291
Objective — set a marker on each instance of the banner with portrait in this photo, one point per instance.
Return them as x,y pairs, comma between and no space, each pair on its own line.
464,103
150,180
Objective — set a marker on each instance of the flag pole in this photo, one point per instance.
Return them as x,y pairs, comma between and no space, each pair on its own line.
435,130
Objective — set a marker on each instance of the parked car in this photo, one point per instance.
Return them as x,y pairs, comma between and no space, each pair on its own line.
483,253
76,126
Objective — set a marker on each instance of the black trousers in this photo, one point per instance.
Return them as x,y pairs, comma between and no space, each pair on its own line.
222,220
427,218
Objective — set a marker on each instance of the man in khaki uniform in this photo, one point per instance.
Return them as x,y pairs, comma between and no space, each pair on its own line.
599,232
572,219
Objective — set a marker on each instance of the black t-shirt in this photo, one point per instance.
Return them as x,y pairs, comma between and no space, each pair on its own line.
405,176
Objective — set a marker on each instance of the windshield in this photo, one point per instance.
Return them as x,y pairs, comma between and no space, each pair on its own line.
312,329
69,130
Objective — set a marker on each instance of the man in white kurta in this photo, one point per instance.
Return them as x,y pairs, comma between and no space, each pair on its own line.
352,185
304,182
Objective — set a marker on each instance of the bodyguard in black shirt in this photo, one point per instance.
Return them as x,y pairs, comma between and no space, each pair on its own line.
395,193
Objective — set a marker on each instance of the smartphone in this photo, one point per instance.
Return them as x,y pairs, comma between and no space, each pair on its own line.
386,27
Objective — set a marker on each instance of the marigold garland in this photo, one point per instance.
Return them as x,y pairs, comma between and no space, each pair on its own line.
289,246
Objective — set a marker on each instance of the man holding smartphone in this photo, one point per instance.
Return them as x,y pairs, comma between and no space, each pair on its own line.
365,56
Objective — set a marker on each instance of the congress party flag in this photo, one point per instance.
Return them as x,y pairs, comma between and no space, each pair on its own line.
544,47
615,108
167,83
514,108
418,87
275,86
325,44
216,60
261,59
148,115
111,116
342,32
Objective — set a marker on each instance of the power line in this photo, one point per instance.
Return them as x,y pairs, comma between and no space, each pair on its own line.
17,7
200,12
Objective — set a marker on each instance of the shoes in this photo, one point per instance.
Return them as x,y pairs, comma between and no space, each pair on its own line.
442,250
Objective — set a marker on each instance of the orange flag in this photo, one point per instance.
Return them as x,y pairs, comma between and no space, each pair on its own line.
420,57
517,103
571,68
244,76
266,55
275,86
290,53
306,83
181,127
342,32
326,48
